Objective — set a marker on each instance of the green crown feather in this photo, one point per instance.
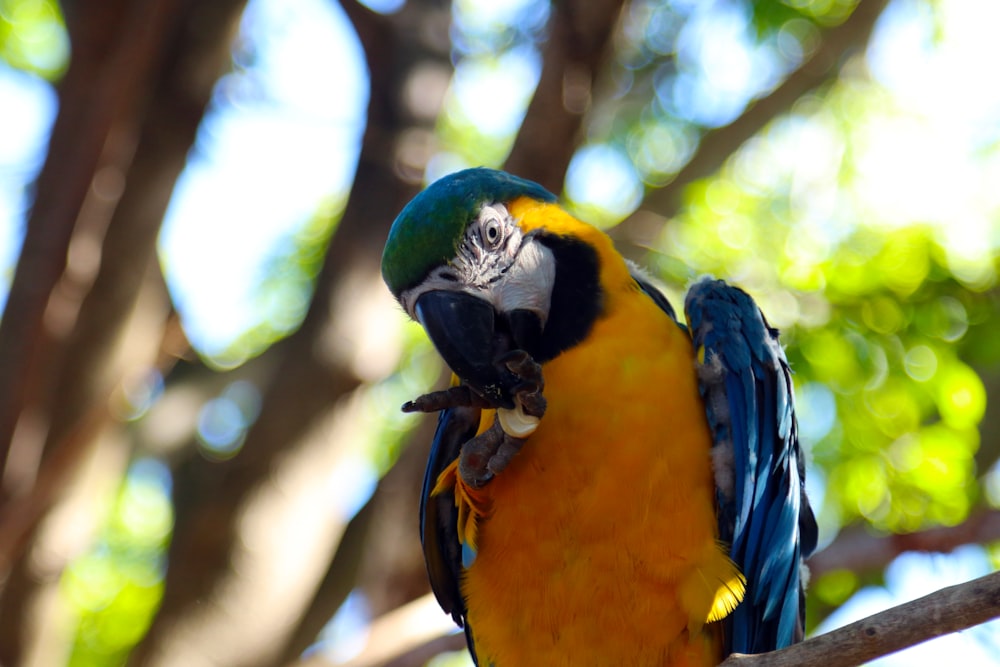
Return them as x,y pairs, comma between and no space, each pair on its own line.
428,230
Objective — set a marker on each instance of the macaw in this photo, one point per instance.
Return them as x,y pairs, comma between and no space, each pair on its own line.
606,485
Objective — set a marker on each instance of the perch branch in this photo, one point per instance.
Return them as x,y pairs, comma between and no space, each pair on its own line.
942,612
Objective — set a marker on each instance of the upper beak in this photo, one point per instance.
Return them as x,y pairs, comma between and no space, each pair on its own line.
464,330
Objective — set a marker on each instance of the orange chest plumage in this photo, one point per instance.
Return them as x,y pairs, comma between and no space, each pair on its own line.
601,534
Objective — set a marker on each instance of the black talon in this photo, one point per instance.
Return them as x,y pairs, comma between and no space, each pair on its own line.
533,403
435,401
521,364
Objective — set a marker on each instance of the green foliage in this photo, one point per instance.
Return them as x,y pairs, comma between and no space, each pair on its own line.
33,37
418,369
878,317
772,16
836,587
496,70
286,286
114,590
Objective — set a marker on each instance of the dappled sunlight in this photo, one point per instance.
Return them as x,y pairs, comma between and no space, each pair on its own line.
347,633
486,26
29,109
815,409
113,590
920,363
961,397
261,174
493,92
34,37
402,629
720,65
136,394
659,148
864,219
223,421
497,66
601,185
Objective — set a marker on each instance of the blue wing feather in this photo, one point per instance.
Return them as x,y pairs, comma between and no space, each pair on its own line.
765,516
443,553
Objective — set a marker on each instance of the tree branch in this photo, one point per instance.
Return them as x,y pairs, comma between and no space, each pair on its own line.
717,145
858,550
314,366
942,612
116,46
577,46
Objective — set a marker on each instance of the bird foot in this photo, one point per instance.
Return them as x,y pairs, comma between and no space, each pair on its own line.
528,391
452,397
487,454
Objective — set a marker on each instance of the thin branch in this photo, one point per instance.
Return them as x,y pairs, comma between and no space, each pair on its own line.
858,550
942,612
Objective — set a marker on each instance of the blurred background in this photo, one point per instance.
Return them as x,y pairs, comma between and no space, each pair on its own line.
203,459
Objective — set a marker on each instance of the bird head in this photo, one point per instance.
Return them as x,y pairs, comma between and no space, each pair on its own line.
480,284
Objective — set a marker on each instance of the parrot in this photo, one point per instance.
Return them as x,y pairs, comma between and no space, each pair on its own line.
608,484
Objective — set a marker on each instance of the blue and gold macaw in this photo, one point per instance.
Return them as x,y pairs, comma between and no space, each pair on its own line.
606,486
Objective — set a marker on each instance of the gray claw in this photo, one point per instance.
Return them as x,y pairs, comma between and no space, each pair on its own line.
487,455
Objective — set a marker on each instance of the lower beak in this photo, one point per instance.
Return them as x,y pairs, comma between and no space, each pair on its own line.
463,329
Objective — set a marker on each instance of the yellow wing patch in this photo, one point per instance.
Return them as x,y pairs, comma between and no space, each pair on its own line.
711,590
472,504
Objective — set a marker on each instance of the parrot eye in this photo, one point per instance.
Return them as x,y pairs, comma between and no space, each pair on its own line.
492,232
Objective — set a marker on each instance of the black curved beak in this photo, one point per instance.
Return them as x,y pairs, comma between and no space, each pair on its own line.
464,330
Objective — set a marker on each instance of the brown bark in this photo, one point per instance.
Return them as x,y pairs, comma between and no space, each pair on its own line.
379,552
311,373
858,550
129,108
942,612
116,47
578,46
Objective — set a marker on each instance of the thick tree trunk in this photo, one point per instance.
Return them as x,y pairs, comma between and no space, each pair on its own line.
315,368
577,49
140,77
